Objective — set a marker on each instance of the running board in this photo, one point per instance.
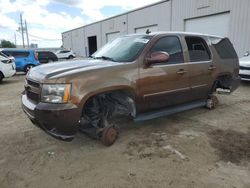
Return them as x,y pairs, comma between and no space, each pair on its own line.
170,110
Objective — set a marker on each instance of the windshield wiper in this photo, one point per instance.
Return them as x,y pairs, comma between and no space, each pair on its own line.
105,58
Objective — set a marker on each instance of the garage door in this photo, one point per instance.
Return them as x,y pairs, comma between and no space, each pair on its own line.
112,36
214,25
144,29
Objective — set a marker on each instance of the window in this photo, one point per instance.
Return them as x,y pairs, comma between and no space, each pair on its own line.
197,49
172,46
17,54
224,48
123,49
65,51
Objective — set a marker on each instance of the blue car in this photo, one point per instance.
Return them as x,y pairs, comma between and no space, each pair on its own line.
24,59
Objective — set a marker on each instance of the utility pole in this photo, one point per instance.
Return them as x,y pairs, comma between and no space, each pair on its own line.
15,37
27,34
21,19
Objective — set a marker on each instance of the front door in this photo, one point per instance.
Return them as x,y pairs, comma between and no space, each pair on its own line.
165,84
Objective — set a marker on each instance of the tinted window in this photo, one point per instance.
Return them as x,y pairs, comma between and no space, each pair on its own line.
17,54
65,51
172,46
224,48
197,49
41,54
50,54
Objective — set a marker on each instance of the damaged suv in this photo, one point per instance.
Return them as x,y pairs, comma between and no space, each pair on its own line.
141,76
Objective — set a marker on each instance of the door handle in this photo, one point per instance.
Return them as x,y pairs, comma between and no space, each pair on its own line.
211,67
181,71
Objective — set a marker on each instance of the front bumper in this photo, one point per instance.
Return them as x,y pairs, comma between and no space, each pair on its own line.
58,120
245,75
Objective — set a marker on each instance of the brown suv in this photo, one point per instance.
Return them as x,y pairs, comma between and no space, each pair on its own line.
144,76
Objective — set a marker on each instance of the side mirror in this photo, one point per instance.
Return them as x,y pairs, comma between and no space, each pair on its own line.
157,57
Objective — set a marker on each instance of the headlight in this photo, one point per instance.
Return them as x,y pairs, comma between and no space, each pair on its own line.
55,93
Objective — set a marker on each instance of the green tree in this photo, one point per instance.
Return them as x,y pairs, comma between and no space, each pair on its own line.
7,44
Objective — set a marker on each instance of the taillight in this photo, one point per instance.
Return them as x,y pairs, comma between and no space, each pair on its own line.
36,56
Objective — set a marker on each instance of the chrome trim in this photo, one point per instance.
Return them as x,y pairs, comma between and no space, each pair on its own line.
26,102
166,92
199,86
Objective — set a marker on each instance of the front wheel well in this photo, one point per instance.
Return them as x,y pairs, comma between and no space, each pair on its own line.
101,107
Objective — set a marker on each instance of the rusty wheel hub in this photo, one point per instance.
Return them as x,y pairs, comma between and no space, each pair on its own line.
109,135
212,102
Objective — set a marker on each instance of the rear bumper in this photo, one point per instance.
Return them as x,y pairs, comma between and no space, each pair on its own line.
235,83
58,120
245,75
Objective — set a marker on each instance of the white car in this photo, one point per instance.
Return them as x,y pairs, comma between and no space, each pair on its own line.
65,54
245,67
7,66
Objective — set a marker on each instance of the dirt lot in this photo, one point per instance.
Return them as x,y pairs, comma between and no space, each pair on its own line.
198,148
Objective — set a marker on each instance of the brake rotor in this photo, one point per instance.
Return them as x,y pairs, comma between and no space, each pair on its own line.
215,101
212,102
109,135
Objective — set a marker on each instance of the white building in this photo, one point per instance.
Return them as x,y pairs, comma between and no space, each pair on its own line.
230,18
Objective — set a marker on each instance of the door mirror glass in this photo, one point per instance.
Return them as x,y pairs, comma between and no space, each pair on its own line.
157,57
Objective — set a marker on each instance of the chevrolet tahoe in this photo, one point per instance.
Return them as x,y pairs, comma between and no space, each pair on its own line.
143,76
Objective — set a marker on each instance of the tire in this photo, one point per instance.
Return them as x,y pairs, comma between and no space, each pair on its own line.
50,61
71,57
27,68
1,77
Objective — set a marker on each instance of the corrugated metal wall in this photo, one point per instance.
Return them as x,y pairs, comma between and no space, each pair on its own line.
166,15
239,25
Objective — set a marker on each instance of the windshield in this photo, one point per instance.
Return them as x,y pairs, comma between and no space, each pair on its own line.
123,49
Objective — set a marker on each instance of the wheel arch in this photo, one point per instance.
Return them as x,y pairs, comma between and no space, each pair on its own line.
223,81
1,74
125,90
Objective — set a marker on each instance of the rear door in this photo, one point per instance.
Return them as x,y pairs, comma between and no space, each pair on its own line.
22,59
200,66
167,83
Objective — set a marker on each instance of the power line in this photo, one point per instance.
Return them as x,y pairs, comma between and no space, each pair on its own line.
43,38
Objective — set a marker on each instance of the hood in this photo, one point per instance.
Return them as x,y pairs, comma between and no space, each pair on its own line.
245,61
67,67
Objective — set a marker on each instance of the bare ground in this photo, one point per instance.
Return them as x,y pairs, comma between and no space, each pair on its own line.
197,148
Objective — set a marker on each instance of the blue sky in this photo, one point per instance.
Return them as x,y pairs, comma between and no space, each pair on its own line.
47,19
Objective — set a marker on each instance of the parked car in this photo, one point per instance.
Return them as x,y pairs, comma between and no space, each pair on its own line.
46,56
24,59
65,54
142,76
245,67
7,67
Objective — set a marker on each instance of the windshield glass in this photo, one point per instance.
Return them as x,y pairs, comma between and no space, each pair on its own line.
123,49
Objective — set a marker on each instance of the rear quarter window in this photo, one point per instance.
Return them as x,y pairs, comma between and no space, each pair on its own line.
224,48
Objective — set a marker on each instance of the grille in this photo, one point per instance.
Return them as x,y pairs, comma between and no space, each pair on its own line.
33,83
245,76
32,96
32,90
244,68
